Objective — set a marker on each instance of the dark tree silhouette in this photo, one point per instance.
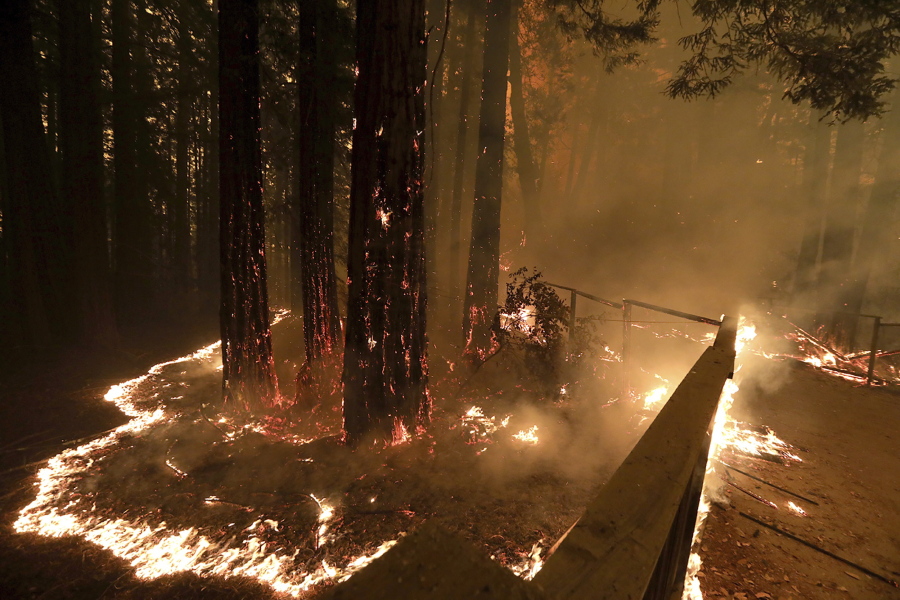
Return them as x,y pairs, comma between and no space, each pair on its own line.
249,381
480,304
133,216
81,146
313,215
454,216
527,170
38,264
385,352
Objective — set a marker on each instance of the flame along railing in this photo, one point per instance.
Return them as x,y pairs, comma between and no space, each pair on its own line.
633,540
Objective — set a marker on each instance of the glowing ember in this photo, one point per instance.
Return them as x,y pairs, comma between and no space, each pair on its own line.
654,400
529,436
522,320
532,563
796,509
480,427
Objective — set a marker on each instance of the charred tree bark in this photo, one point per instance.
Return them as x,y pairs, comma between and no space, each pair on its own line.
248,372
32,226
480,305
454,217
528,173
385,355
81,145
133,217
313,214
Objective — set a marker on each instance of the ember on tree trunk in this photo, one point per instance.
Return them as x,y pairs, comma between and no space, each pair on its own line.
480,305
385,369
248,367
313,216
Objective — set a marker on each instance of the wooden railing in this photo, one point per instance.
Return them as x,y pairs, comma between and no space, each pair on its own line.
633,540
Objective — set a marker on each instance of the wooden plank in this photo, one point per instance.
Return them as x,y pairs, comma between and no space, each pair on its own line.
612,551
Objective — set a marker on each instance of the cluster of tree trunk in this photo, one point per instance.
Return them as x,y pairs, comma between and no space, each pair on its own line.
194,116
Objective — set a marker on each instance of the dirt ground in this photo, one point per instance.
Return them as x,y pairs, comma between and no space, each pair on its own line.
849,476
848,439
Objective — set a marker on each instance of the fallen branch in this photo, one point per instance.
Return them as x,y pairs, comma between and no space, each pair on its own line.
759,499
809,544
772,485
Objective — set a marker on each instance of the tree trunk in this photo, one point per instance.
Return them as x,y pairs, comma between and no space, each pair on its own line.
133,217
81,145
815,177
208,200
454,217
879,211
313,215
180,221
840,229
248,371
484,246
528,173
31,223
385,355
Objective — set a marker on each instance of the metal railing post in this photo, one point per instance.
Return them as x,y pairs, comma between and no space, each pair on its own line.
626,349
873,355
573,300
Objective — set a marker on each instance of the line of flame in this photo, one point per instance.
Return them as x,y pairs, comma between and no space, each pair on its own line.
156,550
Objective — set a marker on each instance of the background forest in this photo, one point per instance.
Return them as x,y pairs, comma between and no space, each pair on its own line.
111,132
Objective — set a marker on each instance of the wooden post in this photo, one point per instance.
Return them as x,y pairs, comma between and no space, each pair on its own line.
626,349
573,300
876,326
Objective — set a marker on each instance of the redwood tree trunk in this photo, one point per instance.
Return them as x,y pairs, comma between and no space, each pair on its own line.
454,216
528,173
840,229
249,382
484,247
30,222
385,356
180,224
81,145
313,217
815,175
879,211
133,215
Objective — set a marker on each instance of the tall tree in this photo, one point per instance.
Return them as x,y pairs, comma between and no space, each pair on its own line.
879,210
480,304
81,145
133,215
33,229
248,372
816,163
466,76
385,354
313,214
180,226
528,173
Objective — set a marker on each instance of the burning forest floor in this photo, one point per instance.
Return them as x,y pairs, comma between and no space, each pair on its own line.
843,497
511,472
